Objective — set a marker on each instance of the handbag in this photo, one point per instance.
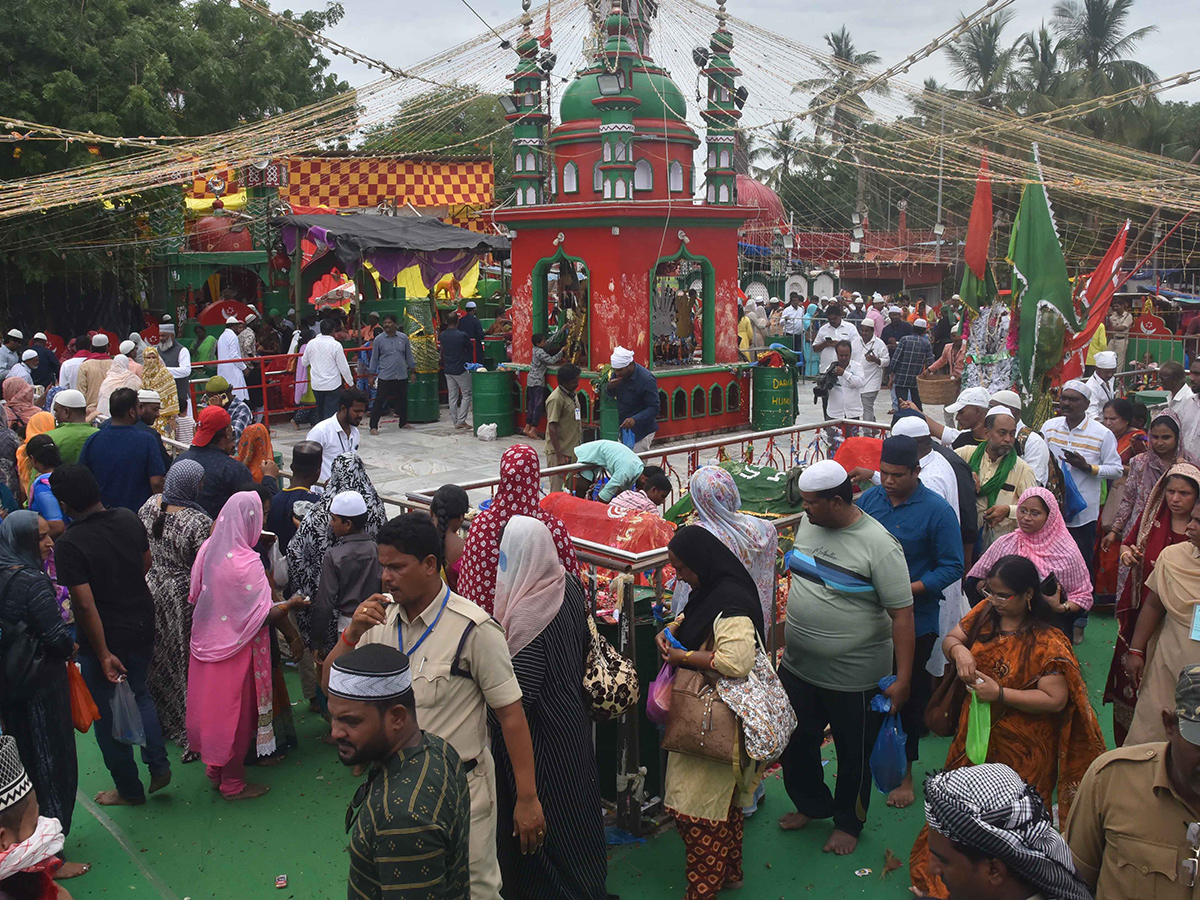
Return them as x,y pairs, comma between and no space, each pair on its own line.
949,694
700,723
762,706
610,681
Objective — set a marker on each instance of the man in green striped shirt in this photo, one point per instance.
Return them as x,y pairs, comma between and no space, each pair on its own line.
409,821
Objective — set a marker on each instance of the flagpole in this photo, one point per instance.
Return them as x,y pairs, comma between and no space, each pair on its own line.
1153,249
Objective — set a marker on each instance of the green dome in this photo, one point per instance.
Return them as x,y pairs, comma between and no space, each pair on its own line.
659,95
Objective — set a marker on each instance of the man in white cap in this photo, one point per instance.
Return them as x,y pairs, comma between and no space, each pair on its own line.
897,327
876,313
792,320
874,361
1090,449
968,410
72,429
636,393
92,371
1100,385
26,367
469,325
127,349
10,351
149,406
1002,476
350,571
1031,446
849,617
178,361
845,396
47,371
228,350
912,356
828,335
139,348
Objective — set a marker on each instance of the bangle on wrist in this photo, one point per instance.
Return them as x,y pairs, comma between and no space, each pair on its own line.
347,641
1141,653
1001,697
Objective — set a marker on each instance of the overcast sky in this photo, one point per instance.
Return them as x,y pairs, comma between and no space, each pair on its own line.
407,31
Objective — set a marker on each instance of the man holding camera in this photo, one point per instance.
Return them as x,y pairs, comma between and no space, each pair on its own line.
844,382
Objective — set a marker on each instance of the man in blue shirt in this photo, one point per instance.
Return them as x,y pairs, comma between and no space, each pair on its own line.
469,325
636,393
126,461
391,359
456,353
928,532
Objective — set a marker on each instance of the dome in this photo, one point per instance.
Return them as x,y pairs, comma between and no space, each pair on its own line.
661,97
219,234
756,195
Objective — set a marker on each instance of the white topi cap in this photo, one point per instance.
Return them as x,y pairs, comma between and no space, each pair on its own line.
100,340
233,320
348,504
911,426
40,336
71,399
1011,399
15,333
1106,359
145,396
28,355
920,323
822,476
127,347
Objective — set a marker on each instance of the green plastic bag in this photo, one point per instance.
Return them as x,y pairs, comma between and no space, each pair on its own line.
979,729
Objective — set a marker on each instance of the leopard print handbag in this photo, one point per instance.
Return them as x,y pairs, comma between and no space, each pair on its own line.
610,681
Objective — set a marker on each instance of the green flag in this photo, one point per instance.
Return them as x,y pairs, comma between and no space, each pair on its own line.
978,293
1041,289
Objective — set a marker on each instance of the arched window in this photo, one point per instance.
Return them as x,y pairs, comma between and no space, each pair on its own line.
675,176
643,176
712,194
570,178
597,178
619,189
530,162
519,198
608,152
620,151
717,402
518,163
607,190
663,406
553,180
530,196
712,158
698,397
723,194
724,159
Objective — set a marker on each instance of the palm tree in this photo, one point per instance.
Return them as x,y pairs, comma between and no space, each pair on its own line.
981,59
780,148
1094,43
837,102
1038,81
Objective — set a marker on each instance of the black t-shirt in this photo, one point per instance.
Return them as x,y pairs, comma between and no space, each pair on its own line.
105,552
279,519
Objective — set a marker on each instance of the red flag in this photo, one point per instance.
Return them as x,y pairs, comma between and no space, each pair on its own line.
545,38
1096,295
979,229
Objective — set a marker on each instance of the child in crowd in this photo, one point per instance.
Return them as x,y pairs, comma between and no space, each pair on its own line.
350,571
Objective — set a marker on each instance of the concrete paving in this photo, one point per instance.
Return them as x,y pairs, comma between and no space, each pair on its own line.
423,457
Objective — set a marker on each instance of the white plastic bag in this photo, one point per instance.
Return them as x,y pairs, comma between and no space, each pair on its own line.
127,723
487,432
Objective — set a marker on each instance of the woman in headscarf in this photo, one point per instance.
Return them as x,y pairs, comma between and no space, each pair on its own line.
544,613
1042,537
254,448
10,442
1117,417
155,377
39,423
307,548
41,722
118,377
717,502
720,633
516,495
1162,643
1145,470
1010,654
177,526
229,703
1163,524
18,401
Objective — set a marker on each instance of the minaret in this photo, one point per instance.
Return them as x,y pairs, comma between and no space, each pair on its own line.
721,115
527,112
616,105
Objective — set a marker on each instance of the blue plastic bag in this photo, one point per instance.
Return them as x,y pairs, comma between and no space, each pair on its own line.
888,760
1073,502
127,723
627,437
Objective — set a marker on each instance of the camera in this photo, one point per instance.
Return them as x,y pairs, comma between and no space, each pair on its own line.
825,383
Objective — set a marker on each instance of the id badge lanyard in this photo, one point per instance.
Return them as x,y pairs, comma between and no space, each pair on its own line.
432,625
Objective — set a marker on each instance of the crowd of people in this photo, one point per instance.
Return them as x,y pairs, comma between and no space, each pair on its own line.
958,573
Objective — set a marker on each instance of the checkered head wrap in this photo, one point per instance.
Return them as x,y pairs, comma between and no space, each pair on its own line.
989,809
14,783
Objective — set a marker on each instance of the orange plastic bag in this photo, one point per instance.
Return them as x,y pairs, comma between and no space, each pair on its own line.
83,708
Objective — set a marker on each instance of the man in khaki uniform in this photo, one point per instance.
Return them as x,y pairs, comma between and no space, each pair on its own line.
1128,827
460,668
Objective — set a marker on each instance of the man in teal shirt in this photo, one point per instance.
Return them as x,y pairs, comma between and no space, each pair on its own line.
622,465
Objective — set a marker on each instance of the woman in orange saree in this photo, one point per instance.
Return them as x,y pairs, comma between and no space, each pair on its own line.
1008,651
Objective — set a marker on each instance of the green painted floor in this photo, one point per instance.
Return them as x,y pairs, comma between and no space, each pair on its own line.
186,842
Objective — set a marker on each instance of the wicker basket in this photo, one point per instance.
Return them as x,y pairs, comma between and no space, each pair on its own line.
937,389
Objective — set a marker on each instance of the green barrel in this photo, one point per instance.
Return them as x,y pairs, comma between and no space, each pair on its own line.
610,422
423,397
771,398
492,400
495,351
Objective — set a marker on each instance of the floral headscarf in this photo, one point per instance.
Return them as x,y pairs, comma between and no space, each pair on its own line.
516,495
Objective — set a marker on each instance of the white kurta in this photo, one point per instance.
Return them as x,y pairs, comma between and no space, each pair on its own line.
872,371
1101,392
229,348
845,397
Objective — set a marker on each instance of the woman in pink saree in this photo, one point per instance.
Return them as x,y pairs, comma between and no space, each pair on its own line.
229,704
